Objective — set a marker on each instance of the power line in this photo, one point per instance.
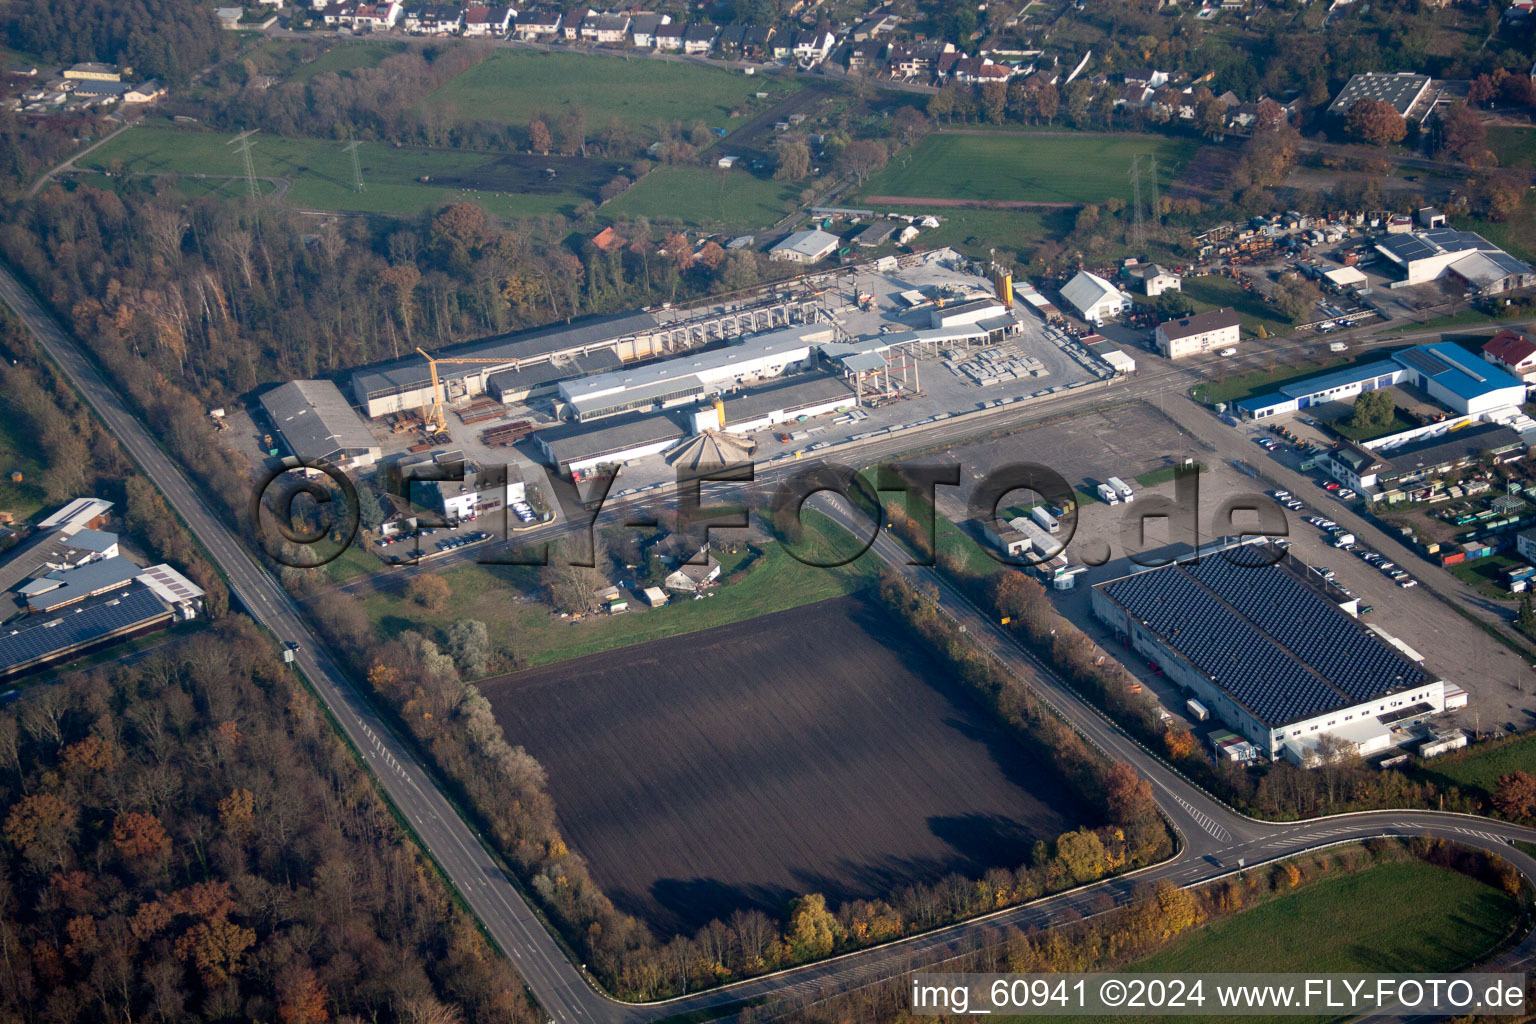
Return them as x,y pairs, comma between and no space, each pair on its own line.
242,144
1138,228
357,168
1154,209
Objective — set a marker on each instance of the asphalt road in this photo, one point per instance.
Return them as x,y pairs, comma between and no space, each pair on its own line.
1215,841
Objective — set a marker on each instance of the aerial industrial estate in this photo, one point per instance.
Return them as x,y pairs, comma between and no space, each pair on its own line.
745,512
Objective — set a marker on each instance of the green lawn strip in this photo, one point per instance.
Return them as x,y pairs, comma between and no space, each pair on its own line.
1406,917
18,454
514,87
1257,382
1514,146
347,57
1398,425
320,172
1076,168
1482,574
1479,767
1214,292
1162,476
978,231
706,197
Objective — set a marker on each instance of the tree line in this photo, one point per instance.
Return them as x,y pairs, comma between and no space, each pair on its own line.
166,39
186,838
1111,938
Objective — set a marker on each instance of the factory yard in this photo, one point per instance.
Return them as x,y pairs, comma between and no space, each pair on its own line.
812,750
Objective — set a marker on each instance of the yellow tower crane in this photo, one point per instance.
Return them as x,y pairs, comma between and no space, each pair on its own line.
435,420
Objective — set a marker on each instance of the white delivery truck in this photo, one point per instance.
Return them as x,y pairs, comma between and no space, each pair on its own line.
1048,522
1338,346
1197,710
1343,540
1122,488
1109,494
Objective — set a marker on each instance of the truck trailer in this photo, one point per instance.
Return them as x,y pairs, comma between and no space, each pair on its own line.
1122,488
1109,495
1048,522
1197,710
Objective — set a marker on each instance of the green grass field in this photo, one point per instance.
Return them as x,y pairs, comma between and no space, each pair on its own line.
1518,233
705,197
978,231
1394,918
1081,168
1214,292
494,594
1482,574
1256,382
1515,147
513,87
1479,767
18,454
320,172
348,56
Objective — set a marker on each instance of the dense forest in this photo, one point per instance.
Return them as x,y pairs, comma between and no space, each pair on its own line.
167,39
185,838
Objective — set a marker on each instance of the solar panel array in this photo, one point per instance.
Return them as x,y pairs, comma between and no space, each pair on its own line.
1279,648
74,626
1313,628
1257,673
1424,361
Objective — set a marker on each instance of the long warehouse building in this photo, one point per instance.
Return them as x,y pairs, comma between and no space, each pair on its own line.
1271,651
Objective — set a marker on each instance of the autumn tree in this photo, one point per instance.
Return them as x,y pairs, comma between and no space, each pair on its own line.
1375,121
1179,743
1373,411
1459,133
792,158
812,931
1127,795
538,137
861,158
429,591
1515,796
1082,854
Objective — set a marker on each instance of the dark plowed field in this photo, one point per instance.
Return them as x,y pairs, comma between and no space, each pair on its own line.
813,750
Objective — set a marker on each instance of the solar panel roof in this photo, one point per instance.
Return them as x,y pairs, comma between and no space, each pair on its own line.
71,627
1278,647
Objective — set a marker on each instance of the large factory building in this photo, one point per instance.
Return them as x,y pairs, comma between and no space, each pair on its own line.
1272,651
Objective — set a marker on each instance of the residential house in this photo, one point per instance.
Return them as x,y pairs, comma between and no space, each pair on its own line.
978,70
699,38
669,37
695,574
1514,352
485,21
813,47
729,40
642,29
380,17
606,28
1156,279
865,55
918,60
756,41
1146,77
536,25
570,26
432,20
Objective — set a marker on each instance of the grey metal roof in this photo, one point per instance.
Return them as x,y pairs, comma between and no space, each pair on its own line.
315,419
789,395
411,372
97,541
1463,445
84,581
1276,646
45,636
528,377
576,442
1397,88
